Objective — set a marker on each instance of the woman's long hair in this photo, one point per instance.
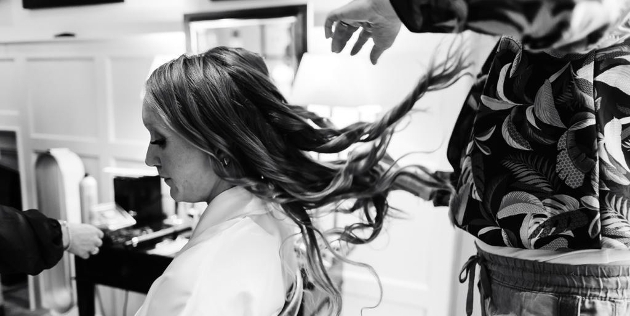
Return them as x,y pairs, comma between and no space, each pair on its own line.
225,104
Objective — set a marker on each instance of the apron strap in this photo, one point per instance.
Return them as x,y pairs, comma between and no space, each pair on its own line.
468,273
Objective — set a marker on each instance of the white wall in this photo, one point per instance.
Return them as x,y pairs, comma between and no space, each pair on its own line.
84,94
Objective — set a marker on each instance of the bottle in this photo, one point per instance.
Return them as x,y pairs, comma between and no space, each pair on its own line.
235,40
88,192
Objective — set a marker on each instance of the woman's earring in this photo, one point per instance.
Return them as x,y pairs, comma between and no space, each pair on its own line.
225,161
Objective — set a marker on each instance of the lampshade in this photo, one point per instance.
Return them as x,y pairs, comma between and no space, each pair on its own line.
343,80
332,80
349,88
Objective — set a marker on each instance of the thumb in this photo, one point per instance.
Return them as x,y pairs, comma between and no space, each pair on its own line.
355,11
331,18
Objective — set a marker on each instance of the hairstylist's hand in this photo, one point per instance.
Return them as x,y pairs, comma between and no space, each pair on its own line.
377,19
85,239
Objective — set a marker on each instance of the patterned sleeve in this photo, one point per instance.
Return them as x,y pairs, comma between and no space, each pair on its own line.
29,241
568,25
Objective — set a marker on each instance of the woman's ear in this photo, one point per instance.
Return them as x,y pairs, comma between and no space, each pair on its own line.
222,158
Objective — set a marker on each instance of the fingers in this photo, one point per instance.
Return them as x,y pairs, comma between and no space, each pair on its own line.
98,242
330,21
343,32
336,16
86,240
375,54
363,38
87,252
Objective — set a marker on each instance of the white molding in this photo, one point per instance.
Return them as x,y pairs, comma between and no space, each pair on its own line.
399,292
10,113
29,61
61,137
109,100
127,142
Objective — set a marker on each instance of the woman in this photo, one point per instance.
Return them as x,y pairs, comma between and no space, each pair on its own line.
541,149
222,133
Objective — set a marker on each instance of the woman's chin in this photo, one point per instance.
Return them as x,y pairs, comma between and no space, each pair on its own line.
175,195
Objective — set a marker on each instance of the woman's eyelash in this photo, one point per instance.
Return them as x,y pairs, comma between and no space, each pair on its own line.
159,142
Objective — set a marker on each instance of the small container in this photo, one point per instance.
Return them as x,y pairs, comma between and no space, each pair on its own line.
88,191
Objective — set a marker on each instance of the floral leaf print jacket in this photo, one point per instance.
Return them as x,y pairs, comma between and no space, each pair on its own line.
541,149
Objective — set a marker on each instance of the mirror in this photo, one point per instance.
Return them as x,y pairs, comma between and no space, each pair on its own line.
276,33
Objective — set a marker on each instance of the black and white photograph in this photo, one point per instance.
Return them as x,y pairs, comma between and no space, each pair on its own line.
314,158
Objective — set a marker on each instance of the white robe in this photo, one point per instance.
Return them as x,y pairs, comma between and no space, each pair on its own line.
231,265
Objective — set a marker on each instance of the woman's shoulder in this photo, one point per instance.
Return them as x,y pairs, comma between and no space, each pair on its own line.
232,268
238,238
235,252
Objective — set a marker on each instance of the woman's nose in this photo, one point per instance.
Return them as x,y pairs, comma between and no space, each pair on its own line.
151,158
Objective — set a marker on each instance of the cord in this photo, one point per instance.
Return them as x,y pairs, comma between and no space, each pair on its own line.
99,299
125,303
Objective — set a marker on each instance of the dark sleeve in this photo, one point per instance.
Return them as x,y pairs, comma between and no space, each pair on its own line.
538,24
29,241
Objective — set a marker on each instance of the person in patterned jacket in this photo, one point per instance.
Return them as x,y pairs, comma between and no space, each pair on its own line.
541,173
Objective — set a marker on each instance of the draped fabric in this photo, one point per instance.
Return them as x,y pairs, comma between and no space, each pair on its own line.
238,262
541,151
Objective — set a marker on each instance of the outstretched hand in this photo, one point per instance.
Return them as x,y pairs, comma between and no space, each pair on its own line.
377,20
85,241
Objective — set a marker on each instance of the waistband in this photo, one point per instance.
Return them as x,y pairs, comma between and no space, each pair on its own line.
607,282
